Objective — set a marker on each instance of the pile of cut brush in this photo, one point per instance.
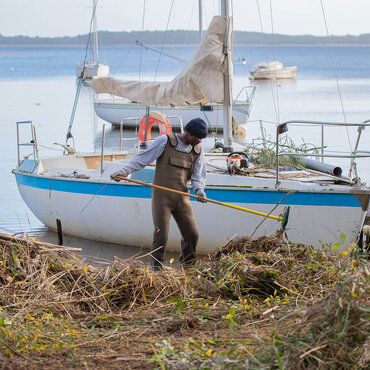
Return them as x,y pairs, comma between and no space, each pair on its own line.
253,303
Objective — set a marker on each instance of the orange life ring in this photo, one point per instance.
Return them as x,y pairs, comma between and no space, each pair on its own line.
160,119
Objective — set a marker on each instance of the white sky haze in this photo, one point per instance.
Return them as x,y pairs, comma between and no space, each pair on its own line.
52,18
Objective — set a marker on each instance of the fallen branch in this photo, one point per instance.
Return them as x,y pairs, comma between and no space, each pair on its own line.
29,242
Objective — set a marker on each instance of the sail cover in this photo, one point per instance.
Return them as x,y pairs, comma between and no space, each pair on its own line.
201,78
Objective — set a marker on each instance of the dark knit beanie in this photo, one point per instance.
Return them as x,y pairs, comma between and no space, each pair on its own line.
197,127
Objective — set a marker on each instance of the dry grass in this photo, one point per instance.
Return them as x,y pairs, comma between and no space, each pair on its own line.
256,303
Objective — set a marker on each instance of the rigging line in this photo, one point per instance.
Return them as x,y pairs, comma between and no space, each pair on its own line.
335,72
164,37
274,53
69,135
266,56
210,126
95,195
190,19
234,38
232,33
141,53
264,219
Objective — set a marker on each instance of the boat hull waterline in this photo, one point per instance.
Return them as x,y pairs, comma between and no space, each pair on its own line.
121,213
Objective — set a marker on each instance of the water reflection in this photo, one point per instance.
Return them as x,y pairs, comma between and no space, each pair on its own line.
281,83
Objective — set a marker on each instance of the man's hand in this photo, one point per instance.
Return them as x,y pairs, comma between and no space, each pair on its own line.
114,175
201,195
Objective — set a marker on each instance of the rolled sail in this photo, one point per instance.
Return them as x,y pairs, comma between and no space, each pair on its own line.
201,78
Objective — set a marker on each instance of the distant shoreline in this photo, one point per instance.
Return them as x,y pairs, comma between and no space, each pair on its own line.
189,38
169,45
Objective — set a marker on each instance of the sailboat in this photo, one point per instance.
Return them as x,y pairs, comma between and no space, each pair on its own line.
93,68
128,112
76,188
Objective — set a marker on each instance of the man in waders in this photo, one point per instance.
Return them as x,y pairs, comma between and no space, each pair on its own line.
180,158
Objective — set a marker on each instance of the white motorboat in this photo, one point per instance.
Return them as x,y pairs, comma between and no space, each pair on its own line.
77,190
93,68
272,70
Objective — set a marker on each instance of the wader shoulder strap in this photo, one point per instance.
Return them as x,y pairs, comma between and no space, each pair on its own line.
173,139
197,149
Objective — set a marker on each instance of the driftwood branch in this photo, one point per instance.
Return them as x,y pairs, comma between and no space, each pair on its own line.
29,242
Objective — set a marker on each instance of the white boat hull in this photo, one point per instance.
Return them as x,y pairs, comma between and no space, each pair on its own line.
272,70
116,111
271,74
121,213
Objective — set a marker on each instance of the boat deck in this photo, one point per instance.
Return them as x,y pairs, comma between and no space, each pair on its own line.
88,167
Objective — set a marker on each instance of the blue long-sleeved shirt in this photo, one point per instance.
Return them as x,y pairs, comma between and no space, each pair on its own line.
198,177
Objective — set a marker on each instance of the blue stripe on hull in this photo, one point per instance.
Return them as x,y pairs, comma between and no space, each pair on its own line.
222,195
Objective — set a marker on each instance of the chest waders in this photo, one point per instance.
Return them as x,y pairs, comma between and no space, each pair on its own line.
174,170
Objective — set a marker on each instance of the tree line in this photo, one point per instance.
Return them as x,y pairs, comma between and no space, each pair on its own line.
181,37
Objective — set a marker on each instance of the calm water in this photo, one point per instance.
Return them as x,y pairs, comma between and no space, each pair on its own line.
38,84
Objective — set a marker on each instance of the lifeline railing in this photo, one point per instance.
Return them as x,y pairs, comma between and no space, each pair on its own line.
32,143
282,128
249,92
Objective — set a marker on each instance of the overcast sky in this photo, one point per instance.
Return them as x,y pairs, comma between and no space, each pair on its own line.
71,17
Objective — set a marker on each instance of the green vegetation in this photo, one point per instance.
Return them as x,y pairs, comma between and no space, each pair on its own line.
261,303
264,154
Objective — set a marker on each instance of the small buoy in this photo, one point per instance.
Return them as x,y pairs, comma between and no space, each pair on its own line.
11,69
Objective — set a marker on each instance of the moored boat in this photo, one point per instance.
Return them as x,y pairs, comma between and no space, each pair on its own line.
89,69
77,189
119,110
272,70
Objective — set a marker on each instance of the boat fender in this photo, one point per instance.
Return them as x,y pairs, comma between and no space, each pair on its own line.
235,161
158,118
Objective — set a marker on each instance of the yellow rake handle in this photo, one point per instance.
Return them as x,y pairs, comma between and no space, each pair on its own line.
207,199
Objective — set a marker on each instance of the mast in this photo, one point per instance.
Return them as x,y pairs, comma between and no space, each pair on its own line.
95,32
227,105
200,19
